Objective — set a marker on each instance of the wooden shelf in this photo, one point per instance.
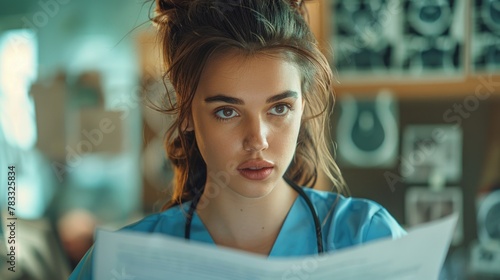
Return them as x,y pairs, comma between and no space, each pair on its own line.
428,88
410,87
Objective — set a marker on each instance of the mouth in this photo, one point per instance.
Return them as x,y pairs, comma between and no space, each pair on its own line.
256,169
255,164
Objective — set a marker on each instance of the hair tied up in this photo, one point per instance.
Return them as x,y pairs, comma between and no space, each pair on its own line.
300,7
166,8
296,3
164,5
168,5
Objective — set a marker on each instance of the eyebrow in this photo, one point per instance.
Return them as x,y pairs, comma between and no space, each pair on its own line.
237,101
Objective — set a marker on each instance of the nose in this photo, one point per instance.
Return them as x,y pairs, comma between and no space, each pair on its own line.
255,139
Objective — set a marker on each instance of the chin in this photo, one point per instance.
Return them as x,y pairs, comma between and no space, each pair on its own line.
255,189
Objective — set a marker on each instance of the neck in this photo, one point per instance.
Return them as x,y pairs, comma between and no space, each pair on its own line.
250,224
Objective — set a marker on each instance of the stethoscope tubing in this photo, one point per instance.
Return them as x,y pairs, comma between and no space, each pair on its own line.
299,190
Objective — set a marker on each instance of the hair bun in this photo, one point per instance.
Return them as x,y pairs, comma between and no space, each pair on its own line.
164,5
300,7
165,9
168,5
296,3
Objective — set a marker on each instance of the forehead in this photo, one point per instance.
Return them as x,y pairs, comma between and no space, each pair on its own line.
236,73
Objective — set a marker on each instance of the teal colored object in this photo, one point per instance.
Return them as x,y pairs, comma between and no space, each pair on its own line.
352,222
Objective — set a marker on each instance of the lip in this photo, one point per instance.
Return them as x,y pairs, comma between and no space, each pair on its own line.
255,163
263,169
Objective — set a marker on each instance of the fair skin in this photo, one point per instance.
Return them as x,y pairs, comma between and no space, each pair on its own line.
246,108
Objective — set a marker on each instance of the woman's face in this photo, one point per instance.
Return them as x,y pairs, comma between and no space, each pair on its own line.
246,116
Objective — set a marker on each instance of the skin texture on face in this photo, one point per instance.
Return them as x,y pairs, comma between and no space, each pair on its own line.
246,107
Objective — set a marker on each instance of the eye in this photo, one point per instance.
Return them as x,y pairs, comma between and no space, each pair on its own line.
280,109
225,114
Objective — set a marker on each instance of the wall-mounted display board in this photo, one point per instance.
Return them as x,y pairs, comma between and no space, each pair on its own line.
413,48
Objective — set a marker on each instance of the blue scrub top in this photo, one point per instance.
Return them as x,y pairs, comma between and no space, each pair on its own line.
353,221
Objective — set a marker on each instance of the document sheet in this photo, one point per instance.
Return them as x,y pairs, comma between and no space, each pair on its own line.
133,256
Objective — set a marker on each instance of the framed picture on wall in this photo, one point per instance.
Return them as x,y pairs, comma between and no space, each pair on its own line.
424,205
431,150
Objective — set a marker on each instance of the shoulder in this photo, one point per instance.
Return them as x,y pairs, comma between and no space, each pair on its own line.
350,221
169,222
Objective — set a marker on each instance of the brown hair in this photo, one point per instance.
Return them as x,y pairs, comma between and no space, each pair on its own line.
192,31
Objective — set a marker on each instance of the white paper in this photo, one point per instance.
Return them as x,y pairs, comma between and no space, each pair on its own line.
133,256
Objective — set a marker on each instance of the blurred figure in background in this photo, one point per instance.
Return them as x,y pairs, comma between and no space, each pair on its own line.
76,231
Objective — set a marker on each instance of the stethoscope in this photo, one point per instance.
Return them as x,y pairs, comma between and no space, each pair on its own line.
299,190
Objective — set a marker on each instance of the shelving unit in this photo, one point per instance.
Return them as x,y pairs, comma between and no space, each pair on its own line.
427,86
435,88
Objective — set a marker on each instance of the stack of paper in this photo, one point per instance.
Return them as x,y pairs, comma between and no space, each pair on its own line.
129,255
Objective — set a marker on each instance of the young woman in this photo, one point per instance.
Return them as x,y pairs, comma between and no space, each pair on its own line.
253,97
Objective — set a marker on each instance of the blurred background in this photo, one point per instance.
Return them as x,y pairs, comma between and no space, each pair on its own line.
416,124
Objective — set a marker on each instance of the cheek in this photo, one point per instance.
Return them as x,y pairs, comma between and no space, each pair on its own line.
284,137
215,144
